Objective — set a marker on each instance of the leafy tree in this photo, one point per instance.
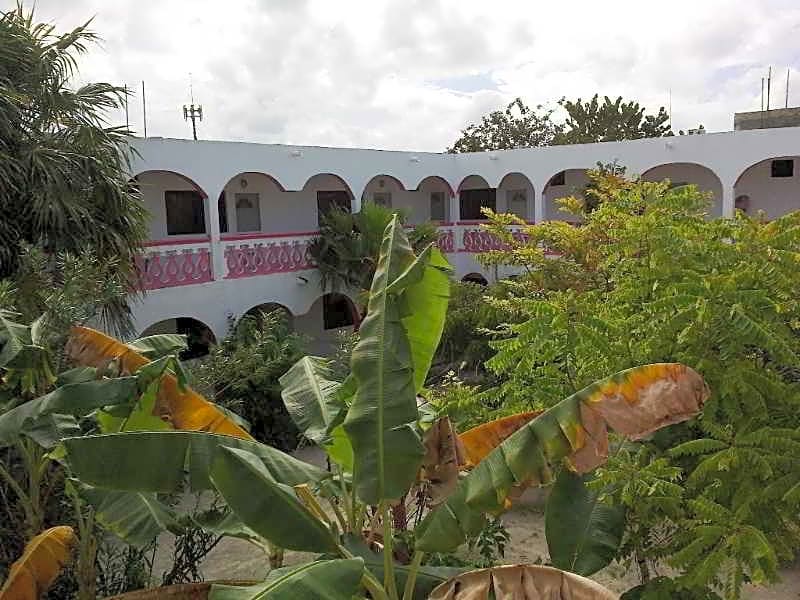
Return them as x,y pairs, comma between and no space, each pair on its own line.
63,169
649,278
518,126
593,121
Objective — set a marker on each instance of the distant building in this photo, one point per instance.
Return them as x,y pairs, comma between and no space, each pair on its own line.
767,119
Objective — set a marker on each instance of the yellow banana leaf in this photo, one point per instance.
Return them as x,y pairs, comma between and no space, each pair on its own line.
479,441
183,409
39,566
521,582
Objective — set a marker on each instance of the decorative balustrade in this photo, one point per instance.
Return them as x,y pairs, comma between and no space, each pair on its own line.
447,240
477,239
174,263
265,254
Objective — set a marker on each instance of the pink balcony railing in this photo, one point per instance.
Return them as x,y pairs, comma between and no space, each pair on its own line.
248,255
171,263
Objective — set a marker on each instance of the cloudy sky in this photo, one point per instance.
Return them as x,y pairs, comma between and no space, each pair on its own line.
408,74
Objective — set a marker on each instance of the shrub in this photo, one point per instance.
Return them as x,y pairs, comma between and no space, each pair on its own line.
649,278
242,375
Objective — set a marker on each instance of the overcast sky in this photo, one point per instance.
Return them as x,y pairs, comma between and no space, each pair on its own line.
403,74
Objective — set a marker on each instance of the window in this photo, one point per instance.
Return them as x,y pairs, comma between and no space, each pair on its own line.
222,211
248,213
185,212
328,200
559,178
783,167
472,201
382,199
518,203
438,206
337,311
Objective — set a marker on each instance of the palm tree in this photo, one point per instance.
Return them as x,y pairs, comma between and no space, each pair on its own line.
63,170
348,248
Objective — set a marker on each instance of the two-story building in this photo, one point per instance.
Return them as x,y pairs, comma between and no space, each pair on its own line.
231,222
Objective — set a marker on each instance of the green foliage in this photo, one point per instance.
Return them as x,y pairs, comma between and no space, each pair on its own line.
63,170
517,126
242,373
650,278
593,121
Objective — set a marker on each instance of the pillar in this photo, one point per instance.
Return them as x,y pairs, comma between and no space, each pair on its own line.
538,205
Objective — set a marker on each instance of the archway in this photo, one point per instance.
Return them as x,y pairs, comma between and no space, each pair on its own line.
383,190
437,192
176,204
260,310
475,193
569,182
516,195
253,202
329,191
326,319
771,185
199,337
476,278
690,174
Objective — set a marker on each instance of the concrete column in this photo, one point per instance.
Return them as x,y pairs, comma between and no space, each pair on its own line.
455,209
217,256
501,202
728,200
538,205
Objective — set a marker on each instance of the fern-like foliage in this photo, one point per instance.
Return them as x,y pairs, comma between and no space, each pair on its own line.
648,277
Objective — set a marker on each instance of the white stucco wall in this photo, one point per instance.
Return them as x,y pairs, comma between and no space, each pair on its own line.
574,182
511,183
679,173
152,185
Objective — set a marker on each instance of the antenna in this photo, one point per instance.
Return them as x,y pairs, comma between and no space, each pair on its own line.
787,88
127,119
144,109
769,85
192,112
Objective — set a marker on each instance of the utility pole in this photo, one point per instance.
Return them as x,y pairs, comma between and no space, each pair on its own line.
144,110
192,112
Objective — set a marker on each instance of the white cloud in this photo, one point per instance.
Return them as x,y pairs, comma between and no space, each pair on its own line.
375,74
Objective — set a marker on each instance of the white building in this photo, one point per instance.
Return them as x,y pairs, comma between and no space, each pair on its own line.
231,221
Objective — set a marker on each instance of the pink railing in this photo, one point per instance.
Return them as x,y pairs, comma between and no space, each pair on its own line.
477,239
264,254
175,263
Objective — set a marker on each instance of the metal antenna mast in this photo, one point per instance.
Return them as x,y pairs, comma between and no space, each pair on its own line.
192,112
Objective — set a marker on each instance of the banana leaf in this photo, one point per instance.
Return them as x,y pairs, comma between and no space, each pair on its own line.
583,533
161,461
184,408
479,441
40,564
311,397
322,580
135,517
269,508
156,346
76,399
381,422
634,403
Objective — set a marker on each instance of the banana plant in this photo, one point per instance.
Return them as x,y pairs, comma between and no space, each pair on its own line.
370,426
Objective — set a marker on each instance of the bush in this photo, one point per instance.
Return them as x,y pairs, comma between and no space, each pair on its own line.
241,374
649,278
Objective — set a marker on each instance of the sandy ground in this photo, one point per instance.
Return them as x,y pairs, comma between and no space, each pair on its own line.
236,559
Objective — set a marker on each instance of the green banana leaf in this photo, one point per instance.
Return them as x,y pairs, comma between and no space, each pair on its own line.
634,403
224,522
158,461
19,351
48,431
76,399
311,397
322,580
381,422
135,517
269,508
137,417
157,346
583,534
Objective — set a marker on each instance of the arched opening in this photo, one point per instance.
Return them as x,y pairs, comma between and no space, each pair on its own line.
330,192
680,174
436,194
326,319
515,196
569,182
199,337
772,186
383,190
256,202
474,194
259,312
476,278
176,204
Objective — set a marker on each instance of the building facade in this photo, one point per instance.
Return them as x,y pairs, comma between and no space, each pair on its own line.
231,222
